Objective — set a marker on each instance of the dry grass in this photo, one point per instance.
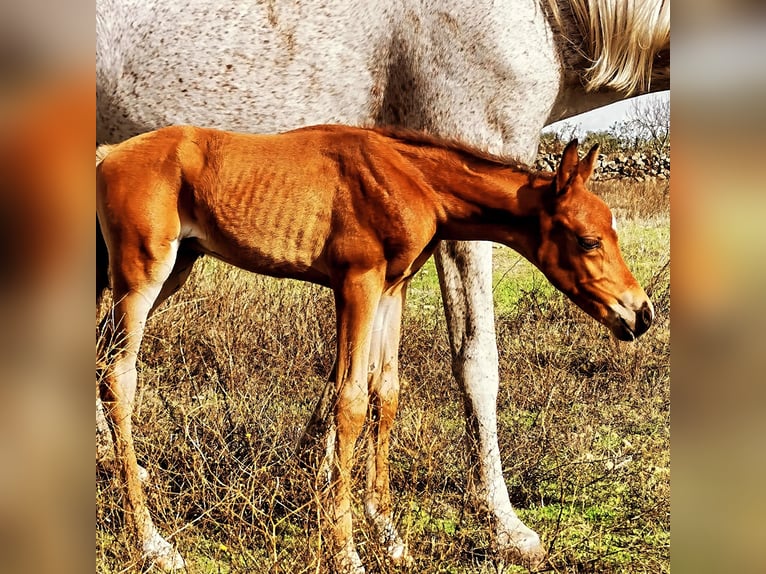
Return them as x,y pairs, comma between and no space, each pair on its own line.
232,367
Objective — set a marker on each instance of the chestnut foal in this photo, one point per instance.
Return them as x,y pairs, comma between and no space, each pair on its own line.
359,211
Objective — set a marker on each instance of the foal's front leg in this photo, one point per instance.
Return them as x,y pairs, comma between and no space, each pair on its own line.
384,400
356,298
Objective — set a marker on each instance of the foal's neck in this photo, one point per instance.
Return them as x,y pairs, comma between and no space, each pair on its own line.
479,197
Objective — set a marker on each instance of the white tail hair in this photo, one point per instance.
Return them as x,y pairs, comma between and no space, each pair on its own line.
619,37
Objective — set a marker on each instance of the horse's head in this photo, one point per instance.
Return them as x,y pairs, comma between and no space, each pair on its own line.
578,251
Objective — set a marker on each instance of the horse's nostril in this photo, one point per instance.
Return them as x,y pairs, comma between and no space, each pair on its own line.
644,317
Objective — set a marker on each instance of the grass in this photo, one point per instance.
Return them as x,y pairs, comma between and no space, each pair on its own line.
230,372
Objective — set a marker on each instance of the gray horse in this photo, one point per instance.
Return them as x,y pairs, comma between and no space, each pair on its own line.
491,74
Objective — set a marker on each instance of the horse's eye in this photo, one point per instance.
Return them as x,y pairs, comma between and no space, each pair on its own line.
589,243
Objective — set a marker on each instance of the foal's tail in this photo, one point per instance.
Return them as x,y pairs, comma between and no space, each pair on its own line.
102,151
102,255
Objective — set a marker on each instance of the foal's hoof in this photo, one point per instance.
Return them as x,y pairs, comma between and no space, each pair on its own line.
396,549
143,475
347,561
399,554
161,553
169,562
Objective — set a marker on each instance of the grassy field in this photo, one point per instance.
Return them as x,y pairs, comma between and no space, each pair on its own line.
231,369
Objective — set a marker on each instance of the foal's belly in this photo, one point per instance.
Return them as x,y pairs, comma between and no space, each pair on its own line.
277,255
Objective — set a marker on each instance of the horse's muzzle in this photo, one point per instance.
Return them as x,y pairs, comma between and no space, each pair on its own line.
628,324
644,318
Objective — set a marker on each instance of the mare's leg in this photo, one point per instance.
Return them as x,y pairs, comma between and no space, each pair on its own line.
465,275
140,267
356,298
384,400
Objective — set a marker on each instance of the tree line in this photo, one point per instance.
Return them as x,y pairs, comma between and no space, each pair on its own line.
646,128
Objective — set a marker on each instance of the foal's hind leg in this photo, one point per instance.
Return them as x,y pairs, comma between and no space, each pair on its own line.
105,451
320,433
384,400
105,454
140,268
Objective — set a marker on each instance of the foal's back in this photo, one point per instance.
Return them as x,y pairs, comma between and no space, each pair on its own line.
289,205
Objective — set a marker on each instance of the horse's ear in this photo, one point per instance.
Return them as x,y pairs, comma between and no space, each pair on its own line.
567,167
588,164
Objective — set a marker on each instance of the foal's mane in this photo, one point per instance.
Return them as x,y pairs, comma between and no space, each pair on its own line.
418,138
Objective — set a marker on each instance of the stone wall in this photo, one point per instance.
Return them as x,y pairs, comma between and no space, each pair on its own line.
636,165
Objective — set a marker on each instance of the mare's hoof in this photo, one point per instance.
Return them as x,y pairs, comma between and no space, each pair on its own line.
523,548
